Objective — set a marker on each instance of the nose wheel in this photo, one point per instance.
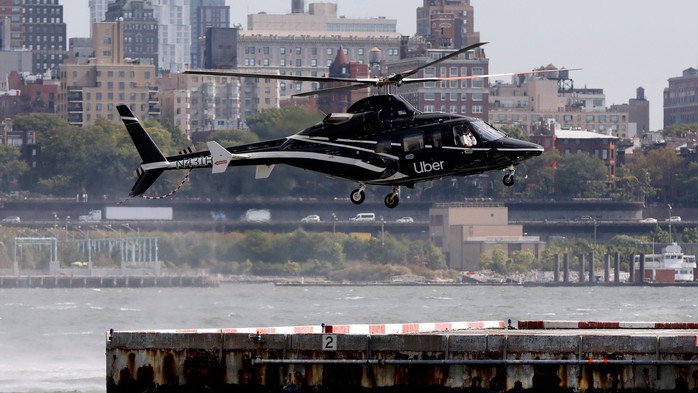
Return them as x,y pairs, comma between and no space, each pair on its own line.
391,200
508,179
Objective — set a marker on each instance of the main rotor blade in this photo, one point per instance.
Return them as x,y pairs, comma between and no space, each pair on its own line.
280,77
334,89
405,74
453,78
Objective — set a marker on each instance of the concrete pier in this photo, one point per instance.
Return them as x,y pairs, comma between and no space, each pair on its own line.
537,356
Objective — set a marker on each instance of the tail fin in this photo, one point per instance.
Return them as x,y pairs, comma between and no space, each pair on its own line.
148,150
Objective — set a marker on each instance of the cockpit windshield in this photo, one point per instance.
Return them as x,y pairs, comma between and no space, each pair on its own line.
486,132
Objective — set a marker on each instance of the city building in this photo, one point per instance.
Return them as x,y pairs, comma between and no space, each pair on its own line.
465,231
447,23
93,90
301,43
44,34
37,26
339,101
601,146
98,10
140,29
680,103
320,18
199,103
25,92
205,14
467,97
445,26
174,30
530,100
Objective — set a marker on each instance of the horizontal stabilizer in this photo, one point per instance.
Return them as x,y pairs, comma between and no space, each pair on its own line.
263,171
145,180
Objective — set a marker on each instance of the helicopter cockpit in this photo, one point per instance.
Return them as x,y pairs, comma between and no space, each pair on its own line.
485,131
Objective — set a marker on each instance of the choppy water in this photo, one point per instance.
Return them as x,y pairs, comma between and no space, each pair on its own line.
54,339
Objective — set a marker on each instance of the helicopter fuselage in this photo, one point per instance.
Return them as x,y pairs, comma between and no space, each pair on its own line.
381,140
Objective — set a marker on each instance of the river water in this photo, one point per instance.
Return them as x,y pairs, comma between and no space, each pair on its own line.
53,340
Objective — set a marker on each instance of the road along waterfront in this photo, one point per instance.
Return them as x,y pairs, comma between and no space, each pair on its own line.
54,339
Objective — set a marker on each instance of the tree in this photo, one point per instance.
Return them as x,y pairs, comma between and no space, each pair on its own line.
688,184
11,167
663,166
281,122
542,173
582,176
495,261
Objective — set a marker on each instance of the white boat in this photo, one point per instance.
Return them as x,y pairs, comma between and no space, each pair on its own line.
672,259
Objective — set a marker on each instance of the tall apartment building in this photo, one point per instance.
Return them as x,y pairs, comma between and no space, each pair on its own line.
174,42
93,90
140,29
198,103
447,23
465,97
680,102
306,43
11,12
205,14
37,25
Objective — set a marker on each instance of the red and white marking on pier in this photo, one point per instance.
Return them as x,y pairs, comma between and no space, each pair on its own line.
387,328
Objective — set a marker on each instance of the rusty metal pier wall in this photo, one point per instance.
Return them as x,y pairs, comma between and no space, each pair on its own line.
538,357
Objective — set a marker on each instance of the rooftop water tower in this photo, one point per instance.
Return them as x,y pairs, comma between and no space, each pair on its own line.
297,6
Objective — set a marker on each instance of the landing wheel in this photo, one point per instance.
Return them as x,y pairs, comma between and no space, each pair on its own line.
357,196
508,180
391,200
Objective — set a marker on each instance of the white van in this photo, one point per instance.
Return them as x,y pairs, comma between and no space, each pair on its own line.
365,217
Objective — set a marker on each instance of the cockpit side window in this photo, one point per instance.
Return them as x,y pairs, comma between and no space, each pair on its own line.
486,132
463,136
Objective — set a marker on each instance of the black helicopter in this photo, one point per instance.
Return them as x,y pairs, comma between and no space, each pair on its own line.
380,140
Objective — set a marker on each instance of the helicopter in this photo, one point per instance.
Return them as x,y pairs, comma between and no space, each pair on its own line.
380,140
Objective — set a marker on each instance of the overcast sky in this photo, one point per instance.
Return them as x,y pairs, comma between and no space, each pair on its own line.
619,44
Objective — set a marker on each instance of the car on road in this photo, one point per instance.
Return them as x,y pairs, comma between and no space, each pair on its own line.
649,220
585,218
673,219
311,218
405,220
364,217
11,220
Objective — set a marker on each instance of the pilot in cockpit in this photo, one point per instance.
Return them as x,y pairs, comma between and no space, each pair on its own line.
464,137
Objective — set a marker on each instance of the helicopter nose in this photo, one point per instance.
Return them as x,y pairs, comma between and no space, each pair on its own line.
523,149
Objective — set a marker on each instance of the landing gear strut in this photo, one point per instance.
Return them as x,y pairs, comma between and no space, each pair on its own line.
391,200
508,179
358,196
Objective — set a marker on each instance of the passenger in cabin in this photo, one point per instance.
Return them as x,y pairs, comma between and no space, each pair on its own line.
464,137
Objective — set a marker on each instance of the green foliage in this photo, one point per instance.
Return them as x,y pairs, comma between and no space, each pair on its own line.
690,235
11,167
663,167
579,175
688,184
281,122
495,261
